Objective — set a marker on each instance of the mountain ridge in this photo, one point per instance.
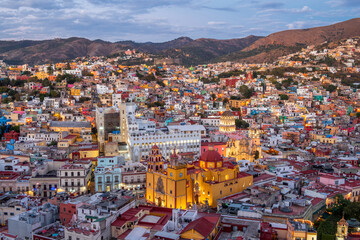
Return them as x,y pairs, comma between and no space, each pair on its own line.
190,51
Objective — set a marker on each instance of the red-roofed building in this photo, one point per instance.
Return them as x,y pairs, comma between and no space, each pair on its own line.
203,228
147,217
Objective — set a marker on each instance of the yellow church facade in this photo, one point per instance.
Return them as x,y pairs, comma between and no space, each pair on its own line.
245,147
181,185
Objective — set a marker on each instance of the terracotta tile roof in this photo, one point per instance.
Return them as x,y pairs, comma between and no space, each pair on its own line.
204,225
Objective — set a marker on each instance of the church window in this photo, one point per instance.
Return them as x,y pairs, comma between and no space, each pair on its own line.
171,174
220,192
230,189
170,191
149,184
181,174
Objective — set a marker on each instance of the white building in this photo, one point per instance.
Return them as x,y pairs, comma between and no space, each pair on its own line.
12,163
48,137
141,126
74,178
185,138
103,89
211,121
76,72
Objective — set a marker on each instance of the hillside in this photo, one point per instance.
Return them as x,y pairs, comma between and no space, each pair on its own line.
56,50
277,44
188,51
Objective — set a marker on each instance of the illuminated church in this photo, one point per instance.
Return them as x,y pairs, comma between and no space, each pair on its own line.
240,145
178,184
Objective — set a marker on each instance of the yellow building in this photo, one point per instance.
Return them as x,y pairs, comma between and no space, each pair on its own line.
180,185
323,138
239,103
244,148
41,75
202,228
75,92
74,128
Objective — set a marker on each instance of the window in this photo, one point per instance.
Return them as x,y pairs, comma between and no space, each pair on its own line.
220,192
170,191
11,214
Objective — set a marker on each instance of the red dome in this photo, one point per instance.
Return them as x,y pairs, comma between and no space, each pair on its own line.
211,156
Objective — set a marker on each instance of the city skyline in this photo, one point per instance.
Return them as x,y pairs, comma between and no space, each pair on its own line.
159,21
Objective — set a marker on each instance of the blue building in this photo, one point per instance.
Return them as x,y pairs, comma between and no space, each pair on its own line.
108,173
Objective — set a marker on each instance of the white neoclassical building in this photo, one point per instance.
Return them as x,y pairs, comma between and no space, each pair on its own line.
185,138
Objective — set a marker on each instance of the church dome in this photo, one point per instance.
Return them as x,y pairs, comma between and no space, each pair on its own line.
210,156
227,113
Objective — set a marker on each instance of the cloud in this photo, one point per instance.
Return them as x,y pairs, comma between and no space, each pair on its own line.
162,20
304,9
296,25
223,9
306,24
344,3
216,23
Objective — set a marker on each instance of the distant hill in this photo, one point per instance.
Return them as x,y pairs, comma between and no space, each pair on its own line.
205,50
189,51
277,44
56,50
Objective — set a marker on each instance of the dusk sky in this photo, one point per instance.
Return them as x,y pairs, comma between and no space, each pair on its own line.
163,20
